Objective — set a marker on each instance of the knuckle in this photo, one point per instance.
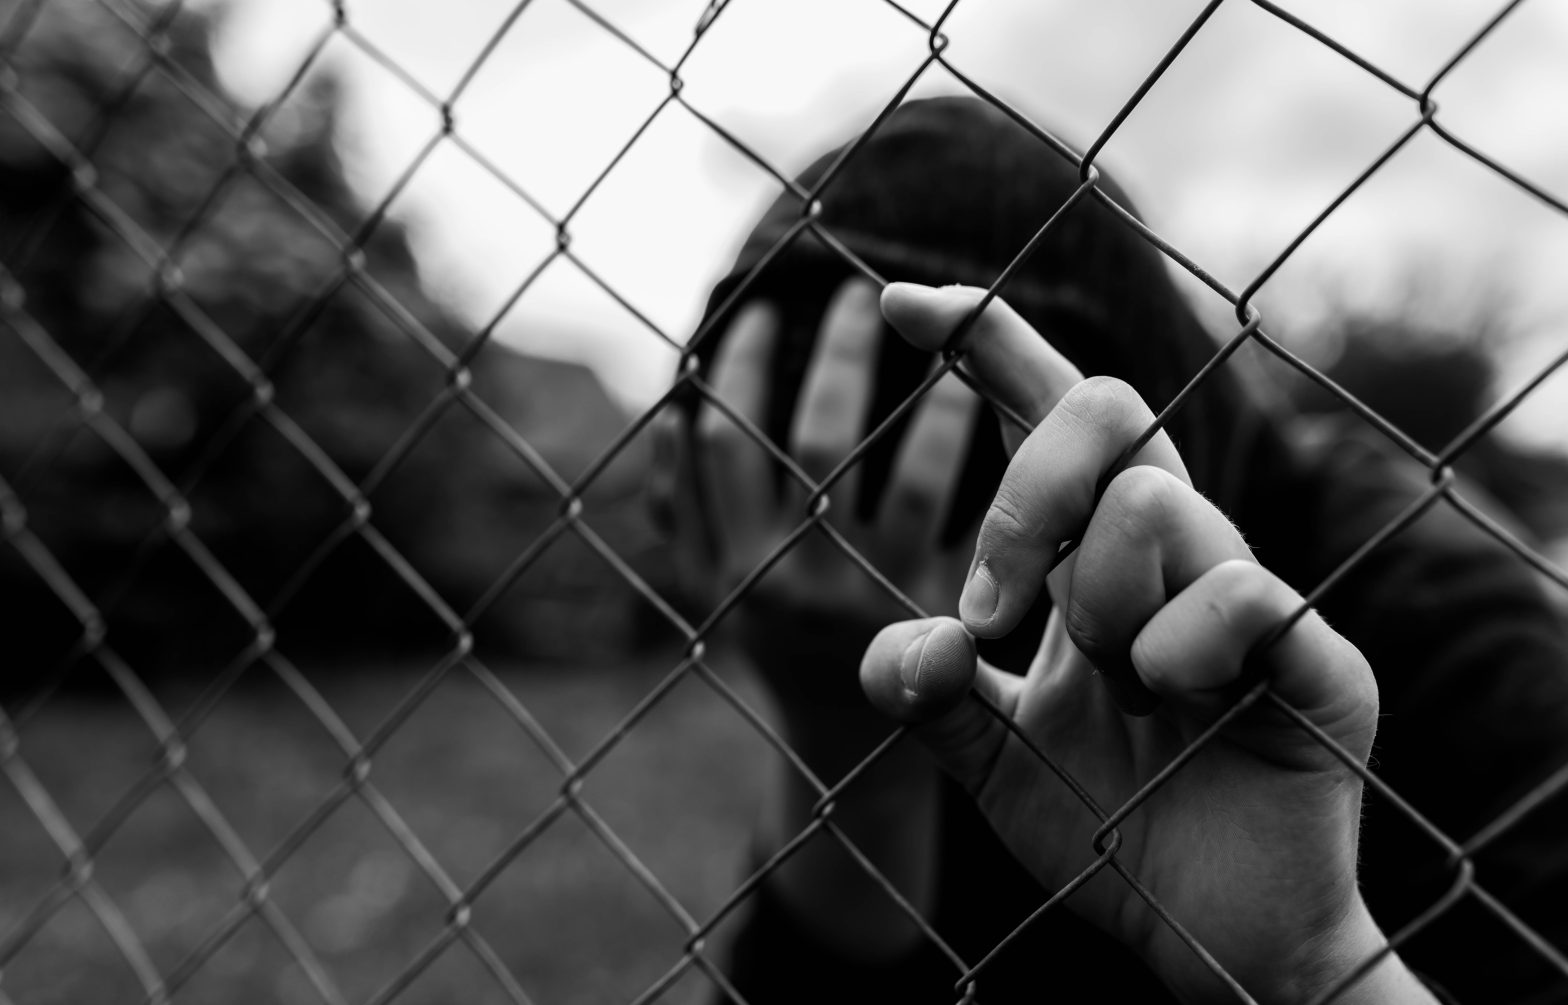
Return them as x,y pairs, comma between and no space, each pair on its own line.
1221,607
1237,581
1087,630
1009,518
1141,501
1104,401
1365,683
1240,595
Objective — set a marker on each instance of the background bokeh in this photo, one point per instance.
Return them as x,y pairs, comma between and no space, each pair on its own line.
419,461
1247,138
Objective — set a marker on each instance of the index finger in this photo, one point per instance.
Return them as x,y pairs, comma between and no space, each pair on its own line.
1013,363
835,394
733,466
1078,431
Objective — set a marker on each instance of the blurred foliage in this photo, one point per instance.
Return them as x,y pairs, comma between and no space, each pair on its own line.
252,274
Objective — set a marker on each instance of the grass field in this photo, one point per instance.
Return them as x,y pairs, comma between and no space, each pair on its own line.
567,918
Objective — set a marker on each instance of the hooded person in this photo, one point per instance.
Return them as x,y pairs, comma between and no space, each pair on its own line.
1470,659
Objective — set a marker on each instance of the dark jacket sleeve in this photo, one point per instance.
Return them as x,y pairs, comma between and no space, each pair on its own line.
983,896
774,960
1471,657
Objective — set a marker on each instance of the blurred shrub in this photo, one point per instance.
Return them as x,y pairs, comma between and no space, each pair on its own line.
252,277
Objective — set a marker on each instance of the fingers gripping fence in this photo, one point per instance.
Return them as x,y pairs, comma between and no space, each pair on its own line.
75,151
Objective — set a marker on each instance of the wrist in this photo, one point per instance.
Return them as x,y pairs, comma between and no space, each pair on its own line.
1355,965
1346,963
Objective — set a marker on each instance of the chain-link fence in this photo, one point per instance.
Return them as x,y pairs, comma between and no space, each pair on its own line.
160,403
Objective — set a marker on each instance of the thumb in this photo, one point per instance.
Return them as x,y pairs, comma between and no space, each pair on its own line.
925,674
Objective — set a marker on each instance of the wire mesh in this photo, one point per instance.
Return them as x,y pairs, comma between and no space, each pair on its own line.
345,266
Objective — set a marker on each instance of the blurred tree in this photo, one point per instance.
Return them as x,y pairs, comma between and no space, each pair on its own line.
252,275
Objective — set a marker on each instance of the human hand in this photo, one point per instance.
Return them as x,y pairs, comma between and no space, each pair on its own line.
815,603
1251,844
805,623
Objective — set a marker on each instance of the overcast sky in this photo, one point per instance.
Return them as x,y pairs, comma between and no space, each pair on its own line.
1251,133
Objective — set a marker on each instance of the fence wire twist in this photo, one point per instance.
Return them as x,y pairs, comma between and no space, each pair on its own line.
167,291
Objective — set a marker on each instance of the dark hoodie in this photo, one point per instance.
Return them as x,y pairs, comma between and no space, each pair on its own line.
949,190
1471,662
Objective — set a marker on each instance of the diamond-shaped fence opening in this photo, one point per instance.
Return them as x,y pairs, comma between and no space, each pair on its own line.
309,576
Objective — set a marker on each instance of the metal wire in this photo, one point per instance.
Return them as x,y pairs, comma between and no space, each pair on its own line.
166,290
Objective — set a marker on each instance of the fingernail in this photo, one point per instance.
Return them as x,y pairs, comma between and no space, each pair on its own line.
909,664
977,604
934,295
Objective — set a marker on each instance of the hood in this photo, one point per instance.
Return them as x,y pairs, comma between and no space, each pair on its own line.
949,190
